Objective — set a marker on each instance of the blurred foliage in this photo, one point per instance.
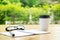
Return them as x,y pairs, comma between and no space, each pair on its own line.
30,3
3,2
14,1
56,12
18,13
20,10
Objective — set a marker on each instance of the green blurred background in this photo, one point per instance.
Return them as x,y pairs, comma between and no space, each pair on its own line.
28,11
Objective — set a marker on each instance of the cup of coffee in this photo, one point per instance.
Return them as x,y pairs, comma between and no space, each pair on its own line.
44,22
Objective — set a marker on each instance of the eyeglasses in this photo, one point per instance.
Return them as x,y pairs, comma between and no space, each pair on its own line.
11,28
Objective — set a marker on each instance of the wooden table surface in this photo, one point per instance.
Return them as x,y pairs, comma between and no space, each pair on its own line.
54,30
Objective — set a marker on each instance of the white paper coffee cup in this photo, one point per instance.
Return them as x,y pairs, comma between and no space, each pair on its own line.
44,22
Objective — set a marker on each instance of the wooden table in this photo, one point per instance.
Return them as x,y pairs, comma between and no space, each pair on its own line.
53,29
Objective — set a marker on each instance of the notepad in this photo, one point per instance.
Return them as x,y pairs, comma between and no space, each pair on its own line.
17,34
33,31
21,33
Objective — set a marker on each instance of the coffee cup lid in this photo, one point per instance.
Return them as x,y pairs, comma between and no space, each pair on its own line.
44,16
